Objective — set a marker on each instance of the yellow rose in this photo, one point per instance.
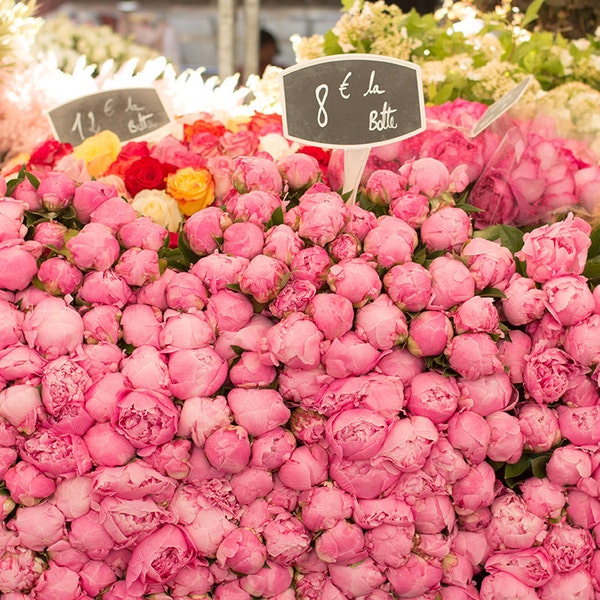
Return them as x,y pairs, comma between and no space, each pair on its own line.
99,152
160,207
194,189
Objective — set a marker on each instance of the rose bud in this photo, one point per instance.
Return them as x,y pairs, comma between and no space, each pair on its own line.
447,229
429,333
242,551
432,395
282,243
381,323
258,410
355,279
306,467
228,449
332,313
409,286
391,242
451,282
342,544
94,247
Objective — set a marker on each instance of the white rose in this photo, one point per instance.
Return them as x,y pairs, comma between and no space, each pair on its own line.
160,207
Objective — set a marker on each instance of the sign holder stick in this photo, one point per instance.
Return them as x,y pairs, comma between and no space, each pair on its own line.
355,160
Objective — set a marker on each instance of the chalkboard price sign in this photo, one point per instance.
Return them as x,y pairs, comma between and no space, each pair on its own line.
130,113
352,100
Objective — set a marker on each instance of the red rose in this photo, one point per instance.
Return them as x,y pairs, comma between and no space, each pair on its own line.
130,153
49,153
146,173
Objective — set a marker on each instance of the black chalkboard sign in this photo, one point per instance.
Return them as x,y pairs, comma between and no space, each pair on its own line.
130,113
352,100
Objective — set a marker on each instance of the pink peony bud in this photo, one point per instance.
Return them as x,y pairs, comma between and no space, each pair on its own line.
429,332
447,229
228,449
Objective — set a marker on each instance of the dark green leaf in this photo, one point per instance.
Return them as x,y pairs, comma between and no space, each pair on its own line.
276,218
594,249
538,464
188,254
510,237
238,350
592,268
492,293
513,471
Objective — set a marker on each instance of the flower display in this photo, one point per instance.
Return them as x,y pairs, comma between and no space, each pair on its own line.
220,378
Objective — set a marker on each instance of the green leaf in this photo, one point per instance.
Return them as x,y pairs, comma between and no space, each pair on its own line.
330,44
510,237
531,14
518,468
492,293
276,218
538,464
238,350
592,268
594,249
186,252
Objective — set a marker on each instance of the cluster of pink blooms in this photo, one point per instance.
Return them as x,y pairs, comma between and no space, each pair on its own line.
325,405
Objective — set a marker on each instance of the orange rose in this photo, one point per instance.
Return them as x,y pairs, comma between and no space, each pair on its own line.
194,189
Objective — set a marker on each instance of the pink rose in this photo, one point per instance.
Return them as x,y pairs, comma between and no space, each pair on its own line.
490,263
141,325
411,206
504,586
324,506
432,395
333,314
417,576
569,299
539,425
144,233
94,247
18,263
321,216
242,551
429,333
228,449
59,277
451,283
391,242
196,372
381,323
356,434
470,433
145,417
264,278
204,229
342,544
447,229
429,175
255,173
258,410
557,249
493,195
89,196
157,559
299,170
548,373
574,584
295,341
349,356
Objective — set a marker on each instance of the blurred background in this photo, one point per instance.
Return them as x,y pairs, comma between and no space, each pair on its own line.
185,31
